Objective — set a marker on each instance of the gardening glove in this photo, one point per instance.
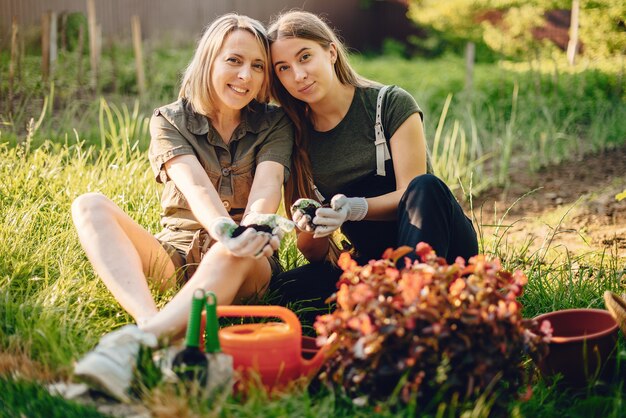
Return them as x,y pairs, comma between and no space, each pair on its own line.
342,209
303,221
279,225
249,244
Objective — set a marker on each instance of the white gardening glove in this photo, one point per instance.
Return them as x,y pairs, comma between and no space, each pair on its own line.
279,227
249,244
304,221
342,208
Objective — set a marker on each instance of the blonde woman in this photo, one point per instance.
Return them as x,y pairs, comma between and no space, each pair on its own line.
360,147
223,154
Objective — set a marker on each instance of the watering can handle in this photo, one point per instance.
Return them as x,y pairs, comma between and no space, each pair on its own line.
262,311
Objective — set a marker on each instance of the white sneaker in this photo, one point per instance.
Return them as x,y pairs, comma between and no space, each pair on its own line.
109,367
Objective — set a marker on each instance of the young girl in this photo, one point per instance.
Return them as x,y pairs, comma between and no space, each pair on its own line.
223,154
372,172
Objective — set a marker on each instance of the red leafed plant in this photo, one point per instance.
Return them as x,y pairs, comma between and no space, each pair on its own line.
429,328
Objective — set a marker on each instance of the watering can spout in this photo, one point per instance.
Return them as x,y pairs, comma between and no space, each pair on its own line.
311,366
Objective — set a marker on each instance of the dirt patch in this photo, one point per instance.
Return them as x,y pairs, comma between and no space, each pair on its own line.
571,205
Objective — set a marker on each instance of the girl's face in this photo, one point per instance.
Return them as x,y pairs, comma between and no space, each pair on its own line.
238,71
304,68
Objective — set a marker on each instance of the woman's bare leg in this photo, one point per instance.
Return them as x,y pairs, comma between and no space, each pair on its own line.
230,278
122,253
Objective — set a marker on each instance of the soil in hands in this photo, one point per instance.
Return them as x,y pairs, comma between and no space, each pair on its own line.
259,228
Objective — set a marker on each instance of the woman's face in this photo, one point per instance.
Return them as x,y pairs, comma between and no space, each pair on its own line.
304,68
238,71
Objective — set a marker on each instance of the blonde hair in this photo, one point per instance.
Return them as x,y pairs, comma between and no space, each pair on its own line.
196,85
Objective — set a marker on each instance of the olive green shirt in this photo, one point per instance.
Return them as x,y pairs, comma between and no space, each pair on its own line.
264,134
344,158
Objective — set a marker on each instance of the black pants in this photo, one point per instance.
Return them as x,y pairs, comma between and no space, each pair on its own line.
427,212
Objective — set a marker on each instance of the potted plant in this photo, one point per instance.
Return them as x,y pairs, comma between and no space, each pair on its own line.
429,329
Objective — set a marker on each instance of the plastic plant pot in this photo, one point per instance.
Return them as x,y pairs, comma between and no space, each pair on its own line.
583,346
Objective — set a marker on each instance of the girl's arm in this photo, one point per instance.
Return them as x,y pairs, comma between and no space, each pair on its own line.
408,148
313,249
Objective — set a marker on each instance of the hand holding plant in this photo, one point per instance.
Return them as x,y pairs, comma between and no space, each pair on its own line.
246,243
303,212
342,209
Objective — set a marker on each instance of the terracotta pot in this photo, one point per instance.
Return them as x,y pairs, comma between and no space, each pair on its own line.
582,347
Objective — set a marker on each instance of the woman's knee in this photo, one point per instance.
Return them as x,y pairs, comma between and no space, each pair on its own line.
224,262
90,206
424,182
425,185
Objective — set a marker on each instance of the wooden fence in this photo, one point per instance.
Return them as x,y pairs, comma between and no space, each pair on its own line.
363,25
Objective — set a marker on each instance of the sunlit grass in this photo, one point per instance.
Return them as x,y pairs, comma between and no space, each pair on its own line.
54,308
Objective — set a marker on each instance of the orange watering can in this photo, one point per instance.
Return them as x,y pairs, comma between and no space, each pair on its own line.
273,350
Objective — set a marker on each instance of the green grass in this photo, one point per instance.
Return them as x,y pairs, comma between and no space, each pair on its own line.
54,308
27,399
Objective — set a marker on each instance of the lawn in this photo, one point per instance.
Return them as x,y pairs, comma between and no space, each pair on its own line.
60,140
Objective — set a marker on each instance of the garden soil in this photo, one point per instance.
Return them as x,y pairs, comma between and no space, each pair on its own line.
571,207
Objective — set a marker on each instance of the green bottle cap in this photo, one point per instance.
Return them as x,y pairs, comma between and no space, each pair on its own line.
192,337
212,325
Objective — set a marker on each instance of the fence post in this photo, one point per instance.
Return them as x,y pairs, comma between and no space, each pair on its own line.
63,31
93,43
53,43
12,63
45,46
470,58
135,24
80,49
572,44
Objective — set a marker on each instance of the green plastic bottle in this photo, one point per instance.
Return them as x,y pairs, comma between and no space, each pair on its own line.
191,364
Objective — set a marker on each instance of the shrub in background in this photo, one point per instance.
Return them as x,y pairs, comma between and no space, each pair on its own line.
429,329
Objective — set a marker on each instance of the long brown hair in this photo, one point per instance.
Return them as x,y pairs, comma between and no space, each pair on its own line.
305,25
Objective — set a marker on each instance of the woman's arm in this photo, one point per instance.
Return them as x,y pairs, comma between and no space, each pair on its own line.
193,182
265,193
313,249
408,148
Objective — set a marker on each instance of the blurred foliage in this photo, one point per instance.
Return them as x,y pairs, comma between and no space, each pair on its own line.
505,26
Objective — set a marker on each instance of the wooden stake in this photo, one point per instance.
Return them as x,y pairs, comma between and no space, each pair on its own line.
45,46
53,43
135,24
470,55
93,43
114,68
572,44
13,62
63,31
20,60
80,49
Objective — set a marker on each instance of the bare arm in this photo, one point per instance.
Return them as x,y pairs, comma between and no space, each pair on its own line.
408,147
313,249
265,193
193,182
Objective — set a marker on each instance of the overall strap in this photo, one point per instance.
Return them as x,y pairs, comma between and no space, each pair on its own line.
382,151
